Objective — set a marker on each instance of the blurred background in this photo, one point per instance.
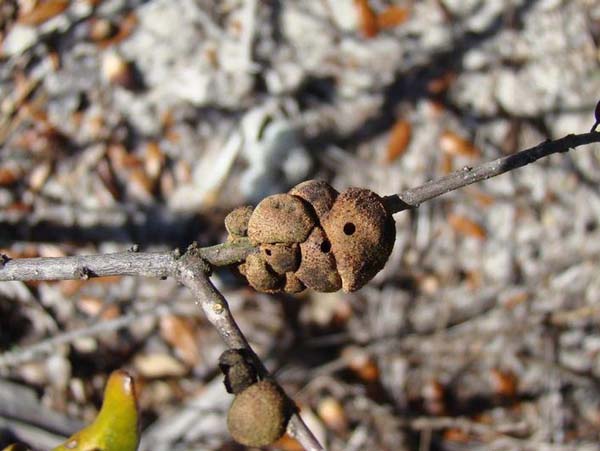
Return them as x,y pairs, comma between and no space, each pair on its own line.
144,122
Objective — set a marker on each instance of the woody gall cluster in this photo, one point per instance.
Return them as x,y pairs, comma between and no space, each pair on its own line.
314,237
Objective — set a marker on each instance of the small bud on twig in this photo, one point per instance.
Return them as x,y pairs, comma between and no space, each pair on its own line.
597,117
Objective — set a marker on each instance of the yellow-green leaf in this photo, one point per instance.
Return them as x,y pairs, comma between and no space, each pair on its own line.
116,426
16,447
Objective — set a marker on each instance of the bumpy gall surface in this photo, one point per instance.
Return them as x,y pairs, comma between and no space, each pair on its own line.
281,218
362,234
318,193
318,268
282,258
258,415
293,284
236,222
260,276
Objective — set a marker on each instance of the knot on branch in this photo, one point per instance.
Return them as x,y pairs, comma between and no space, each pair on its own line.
4,259
191,262
84,273
314,237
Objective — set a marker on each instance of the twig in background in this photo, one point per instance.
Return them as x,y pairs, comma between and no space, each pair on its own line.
22,355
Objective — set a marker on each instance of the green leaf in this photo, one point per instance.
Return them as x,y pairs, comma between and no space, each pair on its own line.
116,427
16,447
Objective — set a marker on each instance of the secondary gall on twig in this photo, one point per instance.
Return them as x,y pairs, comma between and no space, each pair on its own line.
260,411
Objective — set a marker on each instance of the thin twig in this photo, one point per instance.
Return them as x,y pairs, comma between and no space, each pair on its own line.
502,433
19,355
130,263
160,264
414,197
24,431
192,273
21,403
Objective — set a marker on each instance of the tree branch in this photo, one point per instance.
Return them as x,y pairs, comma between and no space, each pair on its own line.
130,263
161,264
193,267
192,273
414,197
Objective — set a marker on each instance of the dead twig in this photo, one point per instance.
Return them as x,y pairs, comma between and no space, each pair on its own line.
19,356
414,197
191,270
161,264
130,263
192,273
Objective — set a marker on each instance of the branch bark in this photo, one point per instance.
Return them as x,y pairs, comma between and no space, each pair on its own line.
130,263
192,273
414,197
161,264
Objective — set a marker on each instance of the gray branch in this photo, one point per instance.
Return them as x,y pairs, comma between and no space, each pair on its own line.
192,272
130,263
414,197
161,264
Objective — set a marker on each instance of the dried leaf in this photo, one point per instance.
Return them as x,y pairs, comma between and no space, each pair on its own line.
453,144
140,186
332,413
392,17
154,160
434,397
399,140
504,383
107,178
158,365
466,226
101,29
441,84
367,19
94,307
121,160
119,71
126,27
516,299
54,59
44,11
9,175
447,164
179,333
361,363
116,428
288,443
456,435
482,198
70,287
39,175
